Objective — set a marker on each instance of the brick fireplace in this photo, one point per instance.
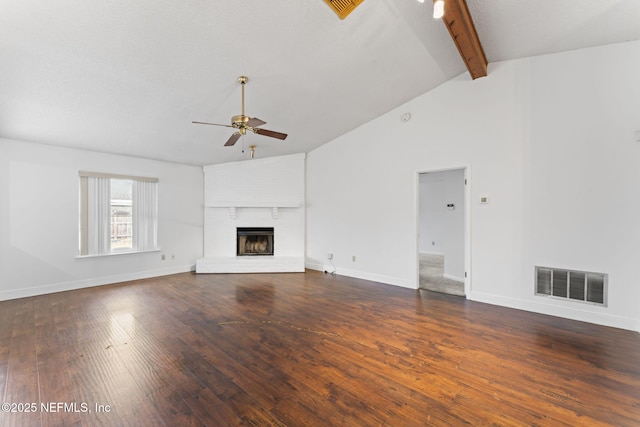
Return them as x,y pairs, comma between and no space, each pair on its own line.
254,216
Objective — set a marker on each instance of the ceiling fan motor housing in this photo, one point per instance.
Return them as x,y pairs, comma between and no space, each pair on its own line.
239,121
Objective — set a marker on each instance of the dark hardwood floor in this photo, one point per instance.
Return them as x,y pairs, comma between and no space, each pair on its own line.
304,350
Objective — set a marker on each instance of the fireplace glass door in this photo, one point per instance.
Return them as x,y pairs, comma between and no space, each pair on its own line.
252,241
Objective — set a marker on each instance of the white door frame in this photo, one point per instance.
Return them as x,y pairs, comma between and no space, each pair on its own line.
467,222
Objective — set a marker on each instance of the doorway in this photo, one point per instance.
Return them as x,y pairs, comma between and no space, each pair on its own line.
441,231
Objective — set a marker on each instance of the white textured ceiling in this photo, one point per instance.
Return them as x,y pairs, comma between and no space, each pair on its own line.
128,77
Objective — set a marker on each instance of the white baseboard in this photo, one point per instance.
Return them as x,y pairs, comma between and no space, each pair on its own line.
532,306
387,280
450,277
88,283
552,310
319,267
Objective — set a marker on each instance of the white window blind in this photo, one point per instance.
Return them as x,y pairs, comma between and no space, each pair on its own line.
99,216
145,215
118,214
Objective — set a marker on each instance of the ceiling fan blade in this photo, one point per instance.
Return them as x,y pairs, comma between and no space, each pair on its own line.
255,122
212,124
270,133
233,139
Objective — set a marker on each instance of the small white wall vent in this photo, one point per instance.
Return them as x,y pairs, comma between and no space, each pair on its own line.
584,286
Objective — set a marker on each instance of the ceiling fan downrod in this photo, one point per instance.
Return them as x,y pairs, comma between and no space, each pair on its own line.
243,80
241,122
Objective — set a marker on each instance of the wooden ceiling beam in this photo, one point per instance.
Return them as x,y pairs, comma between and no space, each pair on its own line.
458,21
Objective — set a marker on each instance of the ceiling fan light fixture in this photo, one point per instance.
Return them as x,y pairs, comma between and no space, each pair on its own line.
438,9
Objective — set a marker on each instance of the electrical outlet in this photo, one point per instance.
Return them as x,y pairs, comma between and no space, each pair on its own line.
163,257
330,255
353,258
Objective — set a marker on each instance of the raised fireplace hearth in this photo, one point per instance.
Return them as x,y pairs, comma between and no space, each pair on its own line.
254,241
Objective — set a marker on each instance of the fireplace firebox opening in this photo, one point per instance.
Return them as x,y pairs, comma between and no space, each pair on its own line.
252,241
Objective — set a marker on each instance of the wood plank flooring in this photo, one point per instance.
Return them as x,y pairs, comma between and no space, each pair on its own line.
304,349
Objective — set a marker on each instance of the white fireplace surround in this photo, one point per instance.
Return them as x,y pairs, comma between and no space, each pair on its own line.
254,193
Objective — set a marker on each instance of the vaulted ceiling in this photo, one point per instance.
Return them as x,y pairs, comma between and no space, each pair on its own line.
129,77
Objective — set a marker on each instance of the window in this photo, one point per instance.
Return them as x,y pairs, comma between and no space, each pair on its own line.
118,214
121,214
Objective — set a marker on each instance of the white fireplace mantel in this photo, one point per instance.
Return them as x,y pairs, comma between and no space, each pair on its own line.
255,204
233,210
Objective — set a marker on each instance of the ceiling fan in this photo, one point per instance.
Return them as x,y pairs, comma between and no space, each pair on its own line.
244,123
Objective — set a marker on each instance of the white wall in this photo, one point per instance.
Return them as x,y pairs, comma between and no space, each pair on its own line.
550,141
39,199
441,230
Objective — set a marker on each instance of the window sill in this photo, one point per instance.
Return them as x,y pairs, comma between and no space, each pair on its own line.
110,254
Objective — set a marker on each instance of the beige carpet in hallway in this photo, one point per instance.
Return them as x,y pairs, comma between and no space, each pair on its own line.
431,276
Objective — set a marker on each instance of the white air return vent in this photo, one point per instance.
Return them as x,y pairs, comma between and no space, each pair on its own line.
584,286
